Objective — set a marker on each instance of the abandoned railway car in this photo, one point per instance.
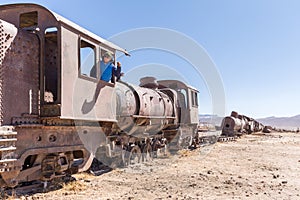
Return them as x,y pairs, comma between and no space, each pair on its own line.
56,116
236,125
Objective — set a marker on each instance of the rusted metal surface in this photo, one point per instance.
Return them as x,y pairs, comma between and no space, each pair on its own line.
151,103
21,80
143,110
7,35
231,126
236,125
267,129
58,118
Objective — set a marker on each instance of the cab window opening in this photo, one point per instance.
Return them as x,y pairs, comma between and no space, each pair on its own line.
194,99
51,65
87,59
182,98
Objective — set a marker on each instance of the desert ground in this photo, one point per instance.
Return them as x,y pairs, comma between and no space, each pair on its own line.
258,166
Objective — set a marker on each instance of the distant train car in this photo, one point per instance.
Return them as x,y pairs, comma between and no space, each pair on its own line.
56,115
236,125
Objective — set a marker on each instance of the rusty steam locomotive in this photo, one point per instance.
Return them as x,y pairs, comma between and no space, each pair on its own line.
237,125
56,118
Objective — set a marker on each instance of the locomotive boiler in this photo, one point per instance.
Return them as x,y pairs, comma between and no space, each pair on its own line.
56,117
145,109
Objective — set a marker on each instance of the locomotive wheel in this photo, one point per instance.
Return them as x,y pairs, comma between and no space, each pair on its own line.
135,155
147,153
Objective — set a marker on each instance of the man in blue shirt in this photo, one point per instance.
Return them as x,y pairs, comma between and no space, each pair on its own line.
108,69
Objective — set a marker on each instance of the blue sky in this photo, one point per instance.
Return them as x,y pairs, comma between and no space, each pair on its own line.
255,44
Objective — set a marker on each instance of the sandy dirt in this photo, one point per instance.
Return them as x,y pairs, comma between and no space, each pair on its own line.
253,167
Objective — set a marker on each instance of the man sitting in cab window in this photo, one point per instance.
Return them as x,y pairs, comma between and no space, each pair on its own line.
108,69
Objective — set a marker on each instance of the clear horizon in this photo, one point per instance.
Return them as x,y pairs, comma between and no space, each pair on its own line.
228,114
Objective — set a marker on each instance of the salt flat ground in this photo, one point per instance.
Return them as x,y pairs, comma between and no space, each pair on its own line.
253,167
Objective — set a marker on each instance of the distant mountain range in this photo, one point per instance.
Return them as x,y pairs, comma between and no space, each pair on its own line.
278,122
282,122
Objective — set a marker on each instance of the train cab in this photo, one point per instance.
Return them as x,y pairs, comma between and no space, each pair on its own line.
187,100
62,67
60,116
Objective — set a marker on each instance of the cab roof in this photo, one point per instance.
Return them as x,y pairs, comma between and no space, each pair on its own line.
67,22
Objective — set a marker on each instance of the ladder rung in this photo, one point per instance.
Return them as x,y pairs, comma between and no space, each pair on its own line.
8,133
8,160
8,149
8,140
